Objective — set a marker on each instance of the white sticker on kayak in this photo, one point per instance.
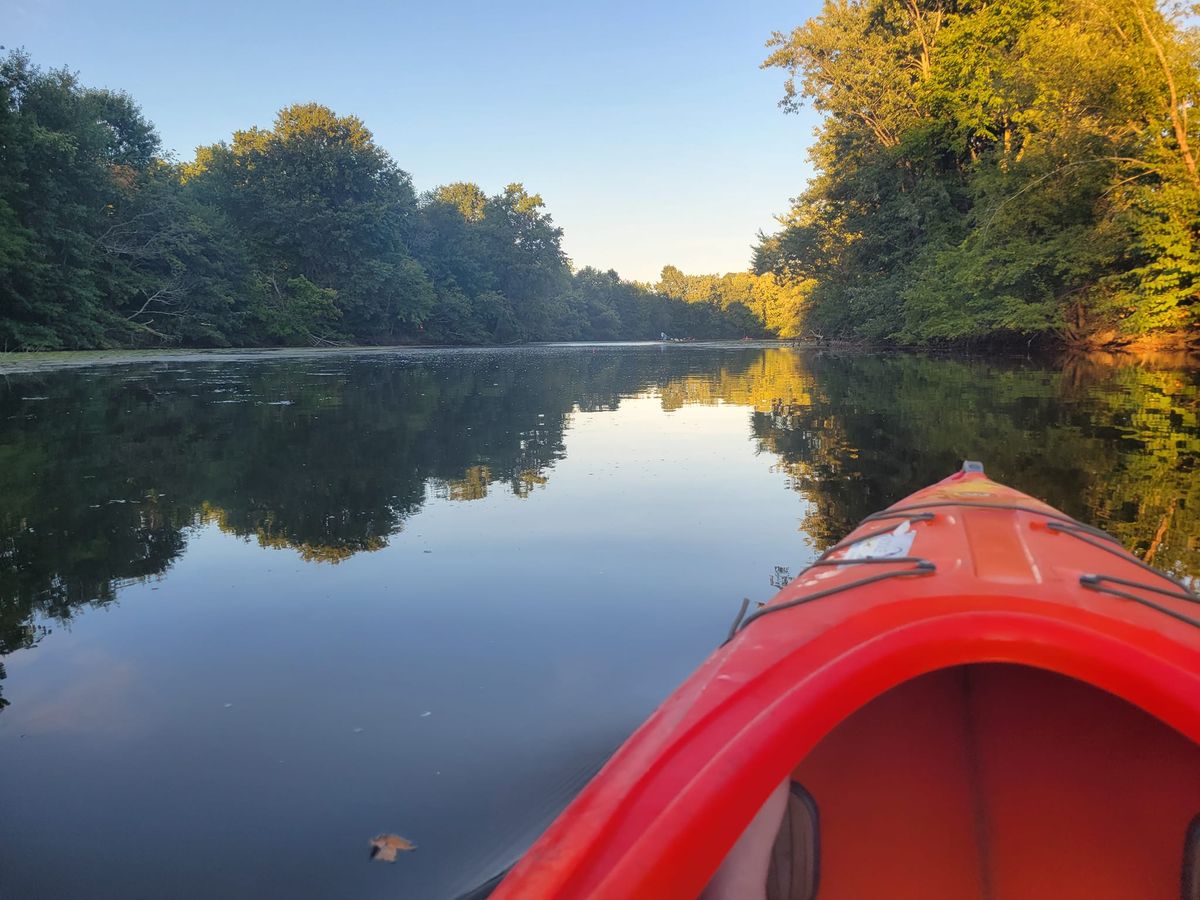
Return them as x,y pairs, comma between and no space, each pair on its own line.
896,542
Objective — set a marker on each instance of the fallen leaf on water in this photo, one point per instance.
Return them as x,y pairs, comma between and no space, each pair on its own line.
385,846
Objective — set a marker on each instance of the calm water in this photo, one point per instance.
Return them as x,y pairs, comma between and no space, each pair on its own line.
257,609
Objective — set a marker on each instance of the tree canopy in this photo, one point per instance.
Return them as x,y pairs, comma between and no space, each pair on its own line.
1016,170
304,233
1010,169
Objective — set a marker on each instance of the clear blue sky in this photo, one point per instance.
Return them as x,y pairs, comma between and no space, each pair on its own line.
647,126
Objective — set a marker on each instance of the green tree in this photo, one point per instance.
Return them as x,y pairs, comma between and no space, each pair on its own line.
1024,168
316,198
67,157
469,199
524,249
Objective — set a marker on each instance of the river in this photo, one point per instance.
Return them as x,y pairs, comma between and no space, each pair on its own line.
256,608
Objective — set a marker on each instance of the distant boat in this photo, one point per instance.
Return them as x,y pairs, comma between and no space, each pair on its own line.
971,697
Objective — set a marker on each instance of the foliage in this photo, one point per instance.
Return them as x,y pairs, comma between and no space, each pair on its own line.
69,159
1022,168
316,199
294,313
306,233
749,304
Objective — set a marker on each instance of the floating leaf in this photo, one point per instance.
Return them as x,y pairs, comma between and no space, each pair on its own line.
385,846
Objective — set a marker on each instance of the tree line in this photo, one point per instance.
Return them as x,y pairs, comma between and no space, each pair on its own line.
306,233
999,170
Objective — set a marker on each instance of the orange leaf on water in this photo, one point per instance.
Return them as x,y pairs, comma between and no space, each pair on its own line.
385,846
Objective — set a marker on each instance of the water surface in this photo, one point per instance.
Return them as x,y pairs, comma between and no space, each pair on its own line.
257,608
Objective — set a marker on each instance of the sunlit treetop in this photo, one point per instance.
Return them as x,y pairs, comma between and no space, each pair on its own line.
465,196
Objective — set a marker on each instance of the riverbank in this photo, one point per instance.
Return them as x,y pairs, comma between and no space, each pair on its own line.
1140,345
1148,354
33,361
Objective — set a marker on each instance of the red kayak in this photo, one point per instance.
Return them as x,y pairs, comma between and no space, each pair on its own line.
971,696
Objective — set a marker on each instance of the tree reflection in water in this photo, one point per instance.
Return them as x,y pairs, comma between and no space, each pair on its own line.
106,473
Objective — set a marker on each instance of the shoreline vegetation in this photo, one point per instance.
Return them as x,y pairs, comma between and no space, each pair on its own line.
1009,171
1013,175
1067,359
304,234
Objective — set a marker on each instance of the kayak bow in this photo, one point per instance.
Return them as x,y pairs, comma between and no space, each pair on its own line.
971,696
